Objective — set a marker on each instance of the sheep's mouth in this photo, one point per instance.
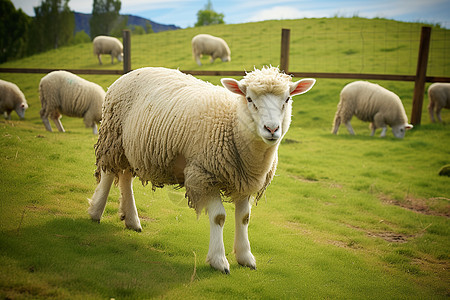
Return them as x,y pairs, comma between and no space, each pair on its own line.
270,141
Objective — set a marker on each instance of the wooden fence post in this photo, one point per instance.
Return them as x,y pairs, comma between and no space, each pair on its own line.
421,74
126,34
284,57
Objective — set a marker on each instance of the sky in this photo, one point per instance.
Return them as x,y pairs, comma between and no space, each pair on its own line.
183,13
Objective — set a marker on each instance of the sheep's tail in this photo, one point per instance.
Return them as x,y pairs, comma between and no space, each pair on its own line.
337,119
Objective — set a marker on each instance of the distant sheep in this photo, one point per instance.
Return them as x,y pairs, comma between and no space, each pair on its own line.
439,97
108,45
167,127
11,98
205,44
372,103
62,92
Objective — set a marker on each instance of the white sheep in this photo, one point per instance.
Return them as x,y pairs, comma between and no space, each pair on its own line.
205,44
439,98
372,103
170,128
11,98
108,45
64,93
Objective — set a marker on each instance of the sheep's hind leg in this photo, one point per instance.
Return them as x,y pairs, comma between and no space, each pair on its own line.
98,201
216,253
349,128
127,210
241,243
58,124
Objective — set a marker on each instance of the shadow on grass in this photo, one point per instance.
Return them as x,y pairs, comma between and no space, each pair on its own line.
78,257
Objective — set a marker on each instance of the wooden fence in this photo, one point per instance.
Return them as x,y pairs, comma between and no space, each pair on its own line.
419,78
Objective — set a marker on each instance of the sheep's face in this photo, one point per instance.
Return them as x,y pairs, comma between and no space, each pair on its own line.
20,110
270,112
226,58
399,130
120,57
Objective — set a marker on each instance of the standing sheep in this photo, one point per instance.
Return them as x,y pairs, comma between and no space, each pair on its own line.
11,98
108,45
62,92
439,97
170,128
210,45
372,103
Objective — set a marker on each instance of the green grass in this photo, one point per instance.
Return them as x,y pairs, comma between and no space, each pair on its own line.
345,217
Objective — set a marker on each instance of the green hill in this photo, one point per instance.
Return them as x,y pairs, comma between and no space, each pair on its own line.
345,217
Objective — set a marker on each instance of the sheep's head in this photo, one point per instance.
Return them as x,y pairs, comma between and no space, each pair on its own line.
120,57
399,130
268,93
20,110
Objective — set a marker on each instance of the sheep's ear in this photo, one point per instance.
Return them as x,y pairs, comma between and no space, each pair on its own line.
233,86
301,86
408,126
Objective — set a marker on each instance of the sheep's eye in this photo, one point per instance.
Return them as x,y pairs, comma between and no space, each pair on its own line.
287,100
249,99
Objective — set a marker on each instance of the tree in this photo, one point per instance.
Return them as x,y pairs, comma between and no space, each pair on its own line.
14,26
208,16
104,15
52,26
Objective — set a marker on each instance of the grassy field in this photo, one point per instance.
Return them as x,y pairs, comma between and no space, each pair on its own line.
354,217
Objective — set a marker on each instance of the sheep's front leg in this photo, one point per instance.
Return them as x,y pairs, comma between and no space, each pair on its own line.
46,124
127,209
383,132
438,114
94,129
98,201
99,59
216,254
241,243
197,59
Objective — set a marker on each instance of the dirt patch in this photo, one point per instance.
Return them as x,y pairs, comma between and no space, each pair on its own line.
391,237
424,206
303,179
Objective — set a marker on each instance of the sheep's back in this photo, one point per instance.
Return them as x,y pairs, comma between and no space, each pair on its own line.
163,114
69,93
440,93
368,99
10,95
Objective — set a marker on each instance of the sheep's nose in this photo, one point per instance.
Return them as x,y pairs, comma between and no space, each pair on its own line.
271,130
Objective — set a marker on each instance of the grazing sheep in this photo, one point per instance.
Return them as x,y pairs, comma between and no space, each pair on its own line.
372,103
108,45
439,96
170,128
11,98
210,45
64,93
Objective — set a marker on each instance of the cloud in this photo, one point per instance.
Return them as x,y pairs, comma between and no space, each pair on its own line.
277,13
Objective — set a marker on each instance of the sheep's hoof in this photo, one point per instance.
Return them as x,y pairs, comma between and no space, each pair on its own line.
139,229
252,267
95,220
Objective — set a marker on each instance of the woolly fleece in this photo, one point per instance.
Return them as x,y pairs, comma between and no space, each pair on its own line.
205,44
107,45
62,92
439,98
365,100
12,98
167,127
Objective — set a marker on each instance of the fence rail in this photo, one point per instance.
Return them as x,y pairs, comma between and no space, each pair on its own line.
419,78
